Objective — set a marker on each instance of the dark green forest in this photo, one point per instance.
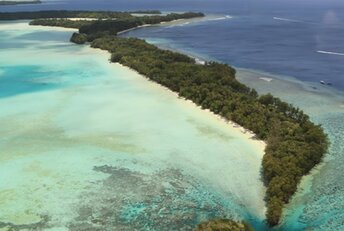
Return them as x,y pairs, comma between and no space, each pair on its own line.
61,22
100,28
115,26
54,14
294,144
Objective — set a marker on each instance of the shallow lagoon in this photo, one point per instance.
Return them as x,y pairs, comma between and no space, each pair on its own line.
319,202
89,144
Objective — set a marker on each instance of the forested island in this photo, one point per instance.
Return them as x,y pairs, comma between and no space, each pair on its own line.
60,14
295,145
114,25
5,3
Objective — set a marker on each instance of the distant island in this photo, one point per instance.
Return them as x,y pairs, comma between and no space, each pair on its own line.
2,3
295,145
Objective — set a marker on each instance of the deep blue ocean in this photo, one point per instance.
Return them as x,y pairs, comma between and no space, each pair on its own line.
302,39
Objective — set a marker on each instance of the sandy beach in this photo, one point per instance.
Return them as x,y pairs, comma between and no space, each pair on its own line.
73,134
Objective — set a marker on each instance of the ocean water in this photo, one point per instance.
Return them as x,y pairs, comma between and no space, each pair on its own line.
85,144
319,202
286,55
308,50
282,47
303,39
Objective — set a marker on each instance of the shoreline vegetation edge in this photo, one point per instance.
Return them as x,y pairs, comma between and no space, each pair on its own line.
294,144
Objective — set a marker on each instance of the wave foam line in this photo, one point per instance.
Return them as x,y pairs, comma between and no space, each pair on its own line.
286,19
221,18
330,53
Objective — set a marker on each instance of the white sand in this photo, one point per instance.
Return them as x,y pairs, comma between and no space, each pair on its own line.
106,112
266,79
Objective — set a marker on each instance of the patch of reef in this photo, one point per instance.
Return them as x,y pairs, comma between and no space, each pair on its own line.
33,226
165,199
295,145
223,225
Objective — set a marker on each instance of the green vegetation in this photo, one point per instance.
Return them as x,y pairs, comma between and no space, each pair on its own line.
61,23
112,27
294,144
55,14
99,28
223,225
145,12
78,38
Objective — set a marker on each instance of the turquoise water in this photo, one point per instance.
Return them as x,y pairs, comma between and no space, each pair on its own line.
281,37
85,144
319,203
16,81
88,144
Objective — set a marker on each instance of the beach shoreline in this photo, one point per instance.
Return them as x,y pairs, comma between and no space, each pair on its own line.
230,126
193,141
176,22
246,133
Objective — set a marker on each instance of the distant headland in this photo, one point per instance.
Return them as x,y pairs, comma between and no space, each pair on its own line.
5,3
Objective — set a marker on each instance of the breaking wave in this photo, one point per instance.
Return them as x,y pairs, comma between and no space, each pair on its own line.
286,19
221,18
330,53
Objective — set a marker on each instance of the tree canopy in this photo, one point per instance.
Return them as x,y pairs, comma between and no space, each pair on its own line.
294,144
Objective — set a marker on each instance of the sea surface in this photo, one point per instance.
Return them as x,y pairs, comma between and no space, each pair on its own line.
282,47
87,144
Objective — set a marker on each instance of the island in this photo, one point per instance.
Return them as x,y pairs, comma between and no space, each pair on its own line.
295,145
5,3
63,14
